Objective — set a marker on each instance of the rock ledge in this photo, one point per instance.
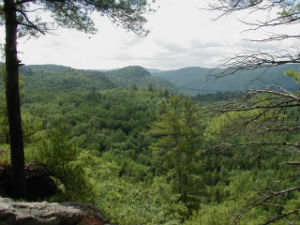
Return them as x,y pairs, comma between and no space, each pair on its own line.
45,213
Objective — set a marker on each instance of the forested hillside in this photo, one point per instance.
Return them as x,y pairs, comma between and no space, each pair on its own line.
192,80
136,75
203,80
66,78
147,156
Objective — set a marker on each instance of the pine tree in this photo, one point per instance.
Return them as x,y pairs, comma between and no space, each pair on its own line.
178,143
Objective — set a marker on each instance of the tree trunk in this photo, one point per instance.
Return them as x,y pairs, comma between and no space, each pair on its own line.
13,101
184,188
179,174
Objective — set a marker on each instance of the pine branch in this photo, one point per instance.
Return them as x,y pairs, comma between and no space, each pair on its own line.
29,24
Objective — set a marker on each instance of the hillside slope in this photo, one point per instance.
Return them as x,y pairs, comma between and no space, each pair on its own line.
201,81
67,78
63,78
136,75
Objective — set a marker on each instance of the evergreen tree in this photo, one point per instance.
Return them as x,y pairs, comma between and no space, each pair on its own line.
178,143
150,87
134,87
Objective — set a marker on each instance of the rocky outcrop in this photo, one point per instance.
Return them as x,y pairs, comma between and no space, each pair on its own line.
45,213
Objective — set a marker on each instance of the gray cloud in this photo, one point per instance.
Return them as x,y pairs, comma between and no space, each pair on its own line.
198,44
171,47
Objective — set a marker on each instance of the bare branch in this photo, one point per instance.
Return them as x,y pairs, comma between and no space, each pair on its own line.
245,62
278,37
281,216
292,163
285,94
261,201
278,13
226,145
282,20
20,2
279,105
296,128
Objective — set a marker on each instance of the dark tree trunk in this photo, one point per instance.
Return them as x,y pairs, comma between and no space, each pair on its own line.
184,192
13,101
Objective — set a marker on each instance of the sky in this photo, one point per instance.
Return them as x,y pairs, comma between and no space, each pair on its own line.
181,34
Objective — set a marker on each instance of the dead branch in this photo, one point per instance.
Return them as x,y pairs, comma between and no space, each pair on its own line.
265,199
281,216
253,143
292,163
284,93
265,130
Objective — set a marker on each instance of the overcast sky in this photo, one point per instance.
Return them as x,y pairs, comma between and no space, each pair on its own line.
181,35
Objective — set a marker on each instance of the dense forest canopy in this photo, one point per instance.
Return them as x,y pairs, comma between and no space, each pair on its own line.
150,156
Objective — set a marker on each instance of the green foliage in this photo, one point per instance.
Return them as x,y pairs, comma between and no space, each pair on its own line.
216,98
77,15
178,143
32,129
242,192
135,149
254,137
113,121
214,214
119,178
4,154
3,114
4,128
59,154
290,9
4,132
134,87
293,74
65,78
125,202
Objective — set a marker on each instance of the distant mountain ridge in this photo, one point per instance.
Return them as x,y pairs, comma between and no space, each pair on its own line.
63,78
200,80
194,80
66,78
137,75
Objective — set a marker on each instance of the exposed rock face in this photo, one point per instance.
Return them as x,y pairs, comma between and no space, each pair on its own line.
45,213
